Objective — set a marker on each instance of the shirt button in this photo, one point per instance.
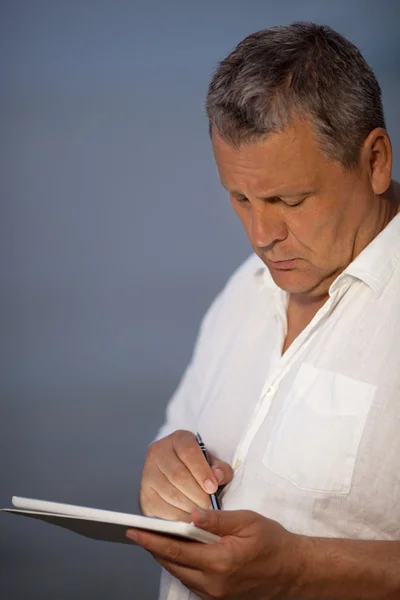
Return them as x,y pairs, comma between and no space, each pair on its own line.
270,391
238,463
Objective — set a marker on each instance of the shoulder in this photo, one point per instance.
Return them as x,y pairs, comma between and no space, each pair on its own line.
246,279
241,287
247,273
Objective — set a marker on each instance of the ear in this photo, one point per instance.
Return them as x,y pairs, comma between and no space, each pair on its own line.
376,156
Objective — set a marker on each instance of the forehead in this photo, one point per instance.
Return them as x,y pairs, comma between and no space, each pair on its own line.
292,156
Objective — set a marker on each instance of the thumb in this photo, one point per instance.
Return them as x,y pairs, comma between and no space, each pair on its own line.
221,522
222,470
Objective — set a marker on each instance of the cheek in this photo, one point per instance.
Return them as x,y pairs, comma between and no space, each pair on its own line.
316,233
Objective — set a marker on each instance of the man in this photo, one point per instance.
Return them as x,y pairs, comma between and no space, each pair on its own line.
294,384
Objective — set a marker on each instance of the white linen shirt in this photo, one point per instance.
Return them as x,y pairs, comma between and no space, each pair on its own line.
313,435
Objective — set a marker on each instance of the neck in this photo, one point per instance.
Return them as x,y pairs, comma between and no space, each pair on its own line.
308,305
387,206
303,307
393,196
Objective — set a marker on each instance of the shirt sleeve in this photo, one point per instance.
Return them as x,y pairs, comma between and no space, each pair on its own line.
214,333
184,405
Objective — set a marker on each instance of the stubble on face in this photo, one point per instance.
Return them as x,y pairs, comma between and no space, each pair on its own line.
333,222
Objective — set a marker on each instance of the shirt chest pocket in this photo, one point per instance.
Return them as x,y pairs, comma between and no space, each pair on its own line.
317,430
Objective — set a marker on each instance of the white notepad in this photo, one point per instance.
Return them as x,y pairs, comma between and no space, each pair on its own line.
104,525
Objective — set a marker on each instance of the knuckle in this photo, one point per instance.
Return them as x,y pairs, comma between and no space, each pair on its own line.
181,437
187,451
172,552
176,478
174,494
180,433
224,566
176,498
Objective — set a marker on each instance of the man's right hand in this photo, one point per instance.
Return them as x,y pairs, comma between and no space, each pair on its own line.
176,477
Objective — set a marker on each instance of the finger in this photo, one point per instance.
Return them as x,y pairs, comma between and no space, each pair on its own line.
221,469
160,486
156,506
195,555
180,478
222,522
193,579
163,459
190,454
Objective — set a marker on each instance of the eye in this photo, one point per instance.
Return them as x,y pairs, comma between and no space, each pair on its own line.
240,199
294,203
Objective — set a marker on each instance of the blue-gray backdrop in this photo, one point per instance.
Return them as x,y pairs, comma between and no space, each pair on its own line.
115,237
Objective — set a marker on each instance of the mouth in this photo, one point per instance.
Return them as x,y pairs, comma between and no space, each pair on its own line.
282,265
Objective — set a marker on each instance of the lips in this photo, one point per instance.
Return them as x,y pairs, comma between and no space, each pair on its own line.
283,265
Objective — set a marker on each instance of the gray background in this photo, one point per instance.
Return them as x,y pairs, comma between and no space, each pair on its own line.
115,236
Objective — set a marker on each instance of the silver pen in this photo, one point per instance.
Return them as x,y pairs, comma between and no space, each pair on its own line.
213,497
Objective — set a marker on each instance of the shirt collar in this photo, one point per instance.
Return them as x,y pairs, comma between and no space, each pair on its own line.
374,265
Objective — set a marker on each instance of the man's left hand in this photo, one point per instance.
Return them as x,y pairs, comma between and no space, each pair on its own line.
256,557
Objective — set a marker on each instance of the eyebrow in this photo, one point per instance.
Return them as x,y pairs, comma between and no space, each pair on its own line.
284,192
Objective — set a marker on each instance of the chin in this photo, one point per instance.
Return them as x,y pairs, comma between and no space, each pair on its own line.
293,282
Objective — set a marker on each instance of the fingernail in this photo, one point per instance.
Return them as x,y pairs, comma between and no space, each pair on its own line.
218,474
209,486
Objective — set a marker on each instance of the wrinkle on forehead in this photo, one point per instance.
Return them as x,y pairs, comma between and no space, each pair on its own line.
288,159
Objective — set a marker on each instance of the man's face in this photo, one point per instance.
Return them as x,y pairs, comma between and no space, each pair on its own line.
305,215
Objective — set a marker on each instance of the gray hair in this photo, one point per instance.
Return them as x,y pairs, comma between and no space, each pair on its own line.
300,70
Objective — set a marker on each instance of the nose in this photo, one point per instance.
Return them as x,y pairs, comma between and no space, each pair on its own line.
267,227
